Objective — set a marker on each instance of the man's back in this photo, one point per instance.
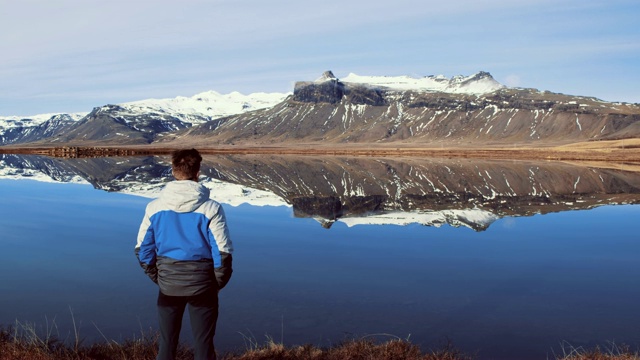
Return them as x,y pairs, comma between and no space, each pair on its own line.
183,245
185,234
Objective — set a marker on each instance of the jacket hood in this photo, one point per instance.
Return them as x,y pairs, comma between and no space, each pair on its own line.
183,195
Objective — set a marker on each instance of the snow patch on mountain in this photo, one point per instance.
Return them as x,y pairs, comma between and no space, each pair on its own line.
477,84
39,119
196,109
210,104
9,122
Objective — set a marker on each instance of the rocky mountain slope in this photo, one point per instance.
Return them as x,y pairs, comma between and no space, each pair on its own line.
372,110
138,122
461,111
15,130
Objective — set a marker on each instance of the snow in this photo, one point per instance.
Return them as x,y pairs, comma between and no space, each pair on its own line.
211,104
198,108
39,119
578,123
8,122
207,104
480,83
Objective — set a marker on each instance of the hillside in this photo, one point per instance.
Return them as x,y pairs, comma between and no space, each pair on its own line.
138,122
368,112
329,111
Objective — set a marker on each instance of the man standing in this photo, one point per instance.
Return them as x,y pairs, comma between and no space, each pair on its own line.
184,246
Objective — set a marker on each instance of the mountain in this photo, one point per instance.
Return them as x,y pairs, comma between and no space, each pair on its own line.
479,83
137,122
360,191
15,129
471,110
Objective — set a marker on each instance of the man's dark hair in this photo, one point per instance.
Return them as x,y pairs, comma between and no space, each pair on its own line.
186,164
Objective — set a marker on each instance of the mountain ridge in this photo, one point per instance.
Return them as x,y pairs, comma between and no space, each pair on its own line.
169,114
370,110
332,112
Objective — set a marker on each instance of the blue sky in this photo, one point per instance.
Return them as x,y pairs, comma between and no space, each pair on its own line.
72,55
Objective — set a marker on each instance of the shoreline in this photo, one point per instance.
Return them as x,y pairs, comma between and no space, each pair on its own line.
17,344
583,152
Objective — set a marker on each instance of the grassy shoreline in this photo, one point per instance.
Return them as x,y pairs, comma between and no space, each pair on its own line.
25,344
621,151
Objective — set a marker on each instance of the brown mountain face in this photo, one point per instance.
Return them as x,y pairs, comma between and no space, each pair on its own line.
113,125
329,113
335,113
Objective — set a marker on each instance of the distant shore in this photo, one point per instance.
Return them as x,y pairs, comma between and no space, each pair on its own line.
618,151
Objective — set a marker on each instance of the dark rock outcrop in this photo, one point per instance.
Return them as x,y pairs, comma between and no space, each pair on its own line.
329,91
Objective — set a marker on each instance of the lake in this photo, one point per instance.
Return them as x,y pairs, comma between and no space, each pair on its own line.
507,259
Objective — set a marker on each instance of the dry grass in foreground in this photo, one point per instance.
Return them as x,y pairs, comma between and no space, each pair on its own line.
14,346
613,352
24,344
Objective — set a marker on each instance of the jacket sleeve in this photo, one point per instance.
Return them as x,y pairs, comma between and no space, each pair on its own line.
145,249
150,269
222,242
223,273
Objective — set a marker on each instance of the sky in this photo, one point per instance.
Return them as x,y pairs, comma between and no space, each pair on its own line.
66,56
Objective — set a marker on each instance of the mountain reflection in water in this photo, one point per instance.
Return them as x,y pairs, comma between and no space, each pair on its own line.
360,190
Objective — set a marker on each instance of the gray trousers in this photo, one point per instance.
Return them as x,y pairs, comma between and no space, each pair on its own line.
203,315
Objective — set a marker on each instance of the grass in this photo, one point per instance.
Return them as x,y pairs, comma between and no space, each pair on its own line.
22,342
611,352
24,345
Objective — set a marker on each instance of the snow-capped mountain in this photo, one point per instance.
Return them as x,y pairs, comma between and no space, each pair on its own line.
8,122
205,106
132,122
378,110
372,110
477,84
16,129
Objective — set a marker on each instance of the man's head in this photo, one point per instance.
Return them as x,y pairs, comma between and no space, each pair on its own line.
186,164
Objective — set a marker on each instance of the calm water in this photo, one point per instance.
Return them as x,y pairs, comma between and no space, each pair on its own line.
518,288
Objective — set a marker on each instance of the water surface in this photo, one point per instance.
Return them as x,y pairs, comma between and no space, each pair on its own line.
321,263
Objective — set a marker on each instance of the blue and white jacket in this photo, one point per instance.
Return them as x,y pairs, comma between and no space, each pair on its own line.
183,242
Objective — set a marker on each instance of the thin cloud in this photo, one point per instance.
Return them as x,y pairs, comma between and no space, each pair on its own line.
125,49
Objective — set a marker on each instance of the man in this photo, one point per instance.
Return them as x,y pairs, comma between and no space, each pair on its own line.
184,246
